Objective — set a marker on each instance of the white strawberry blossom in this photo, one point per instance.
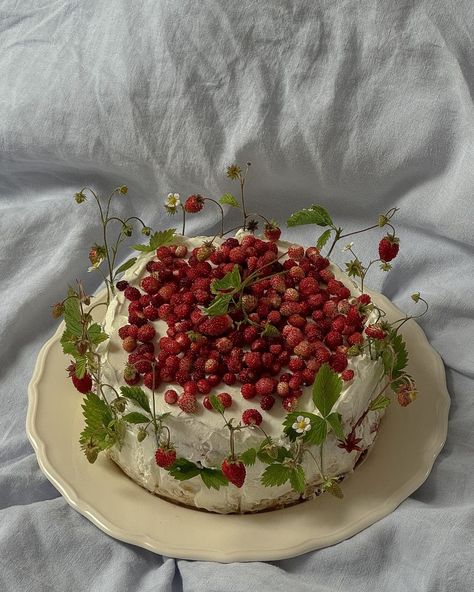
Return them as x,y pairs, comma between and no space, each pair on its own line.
172,202
348,247
302,424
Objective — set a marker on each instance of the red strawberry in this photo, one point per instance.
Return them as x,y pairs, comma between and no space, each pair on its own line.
146,333
132,293
234,470
187,403
272,232
194,204
214,326
251,417
225,399
388,247
375,331
165,457
84,384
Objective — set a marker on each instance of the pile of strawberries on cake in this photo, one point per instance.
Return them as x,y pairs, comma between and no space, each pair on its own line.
312,315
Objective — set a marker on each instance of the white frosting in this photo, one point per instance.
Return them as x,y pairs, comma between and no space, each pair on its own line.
203,437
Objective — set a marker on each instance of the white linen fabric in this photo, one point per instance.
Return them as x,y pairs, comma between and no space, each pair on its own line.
358,105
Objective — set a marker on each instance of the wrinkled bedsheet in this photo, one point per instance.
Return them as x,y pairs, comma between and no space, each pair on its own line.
359,105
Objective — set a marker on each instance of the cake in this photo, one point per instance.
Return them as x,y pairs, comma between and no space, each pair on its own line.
235,374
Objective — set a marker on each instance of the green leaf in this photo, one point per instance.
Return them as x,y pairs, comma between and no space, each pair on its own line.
95,334
219,306
68,343
248,457
275,474
318,432
183,469
327,388
379,403
138,395
213,478
231,281
297,479
323,239
216,404
81,366
72,314
135,417
125,266
229,200
401,354
270,331
99,428
158,239
313,215
334,420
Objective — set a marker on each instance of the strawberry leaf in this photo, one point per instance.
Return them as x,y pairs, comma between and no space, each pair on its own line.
135,417
213,478
323,239
379,403
158,239
248,457
137,395
270,331
219,306
100,429
216,404
95,334
297,479
229,200
125,266
275,474
313,215
231,281
81,366
334,420
327,388
183,469
72,314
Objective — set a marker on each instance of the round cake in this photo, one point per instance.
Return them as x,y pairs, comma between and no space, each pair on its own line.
250,353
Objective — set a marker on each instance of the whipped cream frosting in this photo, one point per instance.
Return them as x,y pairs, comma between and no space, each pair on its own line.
203,437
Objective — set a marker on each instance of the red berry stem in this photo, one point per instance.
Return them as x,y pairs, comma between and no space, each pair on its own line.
403,320
184,219
222,212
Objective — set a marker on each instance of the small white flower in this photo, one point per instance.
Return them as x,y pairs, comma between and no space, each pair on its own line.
348,247
302,424
172,201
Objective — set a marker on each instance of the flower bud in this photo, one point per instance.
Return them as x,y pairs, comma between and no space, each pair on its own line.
146,230
383,220
123,189
79,197
57,310
127,230
141,435
415,297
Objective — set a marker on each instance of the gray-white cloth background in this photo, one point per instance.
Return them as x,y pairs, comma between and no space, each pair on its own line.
358,105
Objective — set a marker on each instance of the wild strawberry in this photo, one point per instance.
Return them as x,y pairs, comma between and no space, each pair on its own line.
364,299
293,337
248,390
143,366
215,326
165,457
237,255
271,231
406,394
132,293
229,378
204,387
290,403
194,204
146,333
251,417
322,355
296,252
265,386
338,362
84,384
121,285
171,396
123,331
151,313
283,389
152,380
355,338
375,331
333,339
234,470
225,399
347,375
150,284
296,363
129,344
304,349
253,360
181,251
296,273
388,247
187,403
130,375
278,284
267,402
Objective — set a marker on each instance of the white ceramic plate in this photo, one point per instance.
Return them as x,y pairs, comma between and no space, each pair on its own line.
401,460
